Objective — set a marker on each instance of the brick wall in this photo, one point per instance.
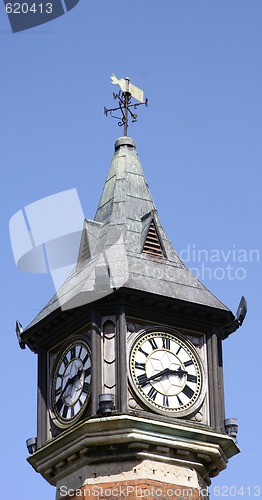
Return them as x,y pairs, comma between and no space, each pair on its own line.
140,489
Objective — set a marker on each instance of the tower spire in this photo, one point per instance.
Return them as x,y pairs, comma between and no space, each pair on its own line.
130,375
124,96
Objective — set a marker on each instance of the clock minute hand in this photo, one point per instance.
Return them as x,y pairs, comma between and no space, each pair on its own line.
167,371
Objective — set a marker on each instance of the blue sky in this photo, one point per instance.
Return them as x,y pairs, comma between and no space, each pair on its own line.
199,141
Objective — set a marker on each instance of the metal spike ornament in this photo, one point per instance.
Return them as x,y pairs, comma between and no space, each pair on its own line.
128,90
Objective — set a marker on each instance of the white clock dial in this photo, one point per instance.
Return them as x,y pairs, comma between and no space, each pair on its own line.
71,382
166,372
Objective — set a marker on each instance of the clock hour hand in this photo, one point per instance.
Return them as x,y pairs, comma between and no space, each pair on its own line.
71,380
76,376
178,372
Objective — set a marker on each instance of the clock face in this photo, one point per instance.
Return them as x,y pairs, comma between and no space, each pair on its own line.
71,383
166,373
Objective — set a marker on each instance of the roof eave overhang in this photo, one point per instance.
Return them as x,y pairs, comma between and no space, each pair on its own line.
138,304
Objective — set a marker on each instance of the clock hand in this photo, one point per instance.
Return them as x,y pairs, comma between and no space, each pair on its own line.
178,372
76,376
71,380
159,374
167,371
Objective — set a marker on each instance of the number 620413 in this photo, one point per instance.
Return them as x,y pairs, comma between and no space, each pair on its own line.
25,8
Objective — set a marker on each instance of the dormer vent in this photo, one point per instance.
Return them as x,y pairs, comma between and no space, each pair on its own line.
152,243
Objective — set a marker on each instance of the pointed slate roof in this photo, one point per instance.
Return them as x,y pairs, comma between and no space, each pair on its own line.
113,248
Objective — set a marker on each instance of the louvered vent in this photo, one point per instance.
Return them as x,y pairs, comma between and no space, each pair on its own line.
84,252
152,244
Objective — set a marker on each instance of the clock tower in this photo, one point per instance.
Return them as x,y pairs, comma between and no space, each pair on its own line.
130,375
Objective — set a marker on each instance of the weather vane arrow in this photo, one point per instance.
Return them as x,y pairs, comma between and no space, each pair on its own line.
128,90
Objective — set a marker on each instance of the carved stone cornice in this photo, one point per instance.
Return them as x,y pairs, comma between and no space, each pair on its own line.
100,440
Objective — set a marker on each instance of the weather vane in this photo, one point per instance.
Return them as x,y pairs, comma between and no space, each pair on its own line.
128,90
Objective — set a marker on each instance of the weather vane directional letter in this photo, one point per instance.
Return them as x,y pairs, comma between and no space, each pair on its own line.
128,90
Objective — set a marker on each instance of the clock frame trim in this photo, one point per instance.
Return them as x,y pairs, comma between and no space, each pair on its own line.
139,395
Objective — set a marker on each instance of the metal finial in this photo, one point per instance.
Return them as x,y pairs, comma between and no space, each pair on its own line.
128,90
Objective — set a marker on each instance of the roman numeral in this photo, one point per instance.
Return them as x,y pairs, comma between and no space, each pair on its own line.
166,343
142,380
188,391
143,352
179,349
188,363
72,412
65,361
85,358
73,352
140,366
153,343
57,391
152,393
80,351
191,378
85,388
59,404
65,410
165,400
179,401
88,371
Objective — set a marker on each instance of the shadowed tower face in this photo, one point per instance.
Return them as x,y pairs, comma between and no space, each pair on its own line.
130,377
